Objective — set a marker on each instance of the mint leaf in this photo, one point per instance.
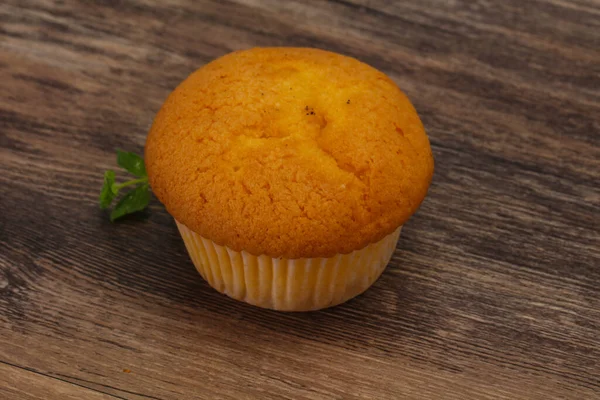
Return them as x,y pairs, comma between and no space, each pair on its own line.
135,200
107,194
132,163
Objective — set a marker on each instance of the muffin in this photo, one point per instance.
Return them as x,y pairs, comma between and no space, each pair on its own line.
289,173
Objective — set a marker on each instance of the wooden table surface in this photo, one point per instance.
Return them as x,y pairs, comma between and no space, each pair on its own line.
493,292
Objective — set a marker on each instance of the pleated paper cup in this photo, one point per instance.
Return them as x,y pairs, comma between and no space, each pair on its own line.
301,284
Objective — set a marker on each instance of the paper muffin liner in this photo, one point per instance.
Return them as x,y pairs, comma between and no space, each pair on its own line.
300,284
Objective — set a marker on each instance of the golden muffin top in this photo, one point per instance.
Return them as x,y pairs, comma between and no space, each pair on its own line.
289,152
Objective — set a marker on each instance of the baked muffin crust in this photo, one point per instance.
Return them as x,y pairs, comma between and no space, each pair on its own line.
289,152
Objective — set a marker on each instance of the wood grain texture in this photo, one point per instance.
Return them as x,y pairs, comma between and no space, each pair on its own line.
20,383
492,293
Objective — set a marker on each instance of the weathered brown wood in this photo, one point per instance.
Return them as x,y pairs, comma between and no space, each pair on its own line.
20,383
492,294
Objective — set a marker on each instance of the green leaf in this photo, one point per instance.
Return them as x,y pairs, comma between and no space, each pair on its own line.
135,200
107,194
131,162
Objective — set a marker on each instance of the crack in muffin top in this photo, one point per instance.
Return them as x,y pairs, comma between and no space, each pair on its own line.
289,152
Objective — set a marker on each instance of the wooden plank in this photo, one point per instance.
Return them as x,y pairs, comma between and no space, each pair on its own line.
492,293
19,383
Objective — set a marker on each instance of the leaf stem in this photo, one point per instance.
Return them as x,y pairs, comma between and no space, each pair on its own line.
131,182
